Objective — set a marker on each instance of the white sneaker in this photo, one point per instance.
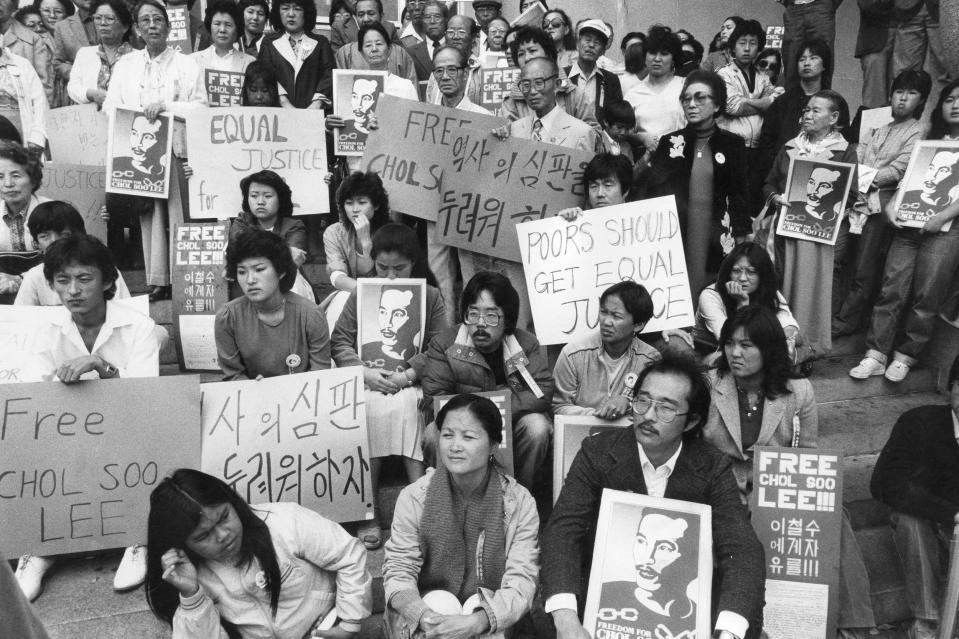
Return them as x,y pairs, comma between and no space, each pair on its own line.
897,371
132,571
868,367
30,571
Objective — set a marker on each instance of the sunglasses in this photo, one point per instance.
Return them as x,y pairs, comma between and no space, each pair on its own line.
764,64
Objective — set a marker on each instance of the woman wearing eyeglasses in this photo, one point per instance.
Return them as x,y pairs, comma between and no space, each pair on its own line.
93,67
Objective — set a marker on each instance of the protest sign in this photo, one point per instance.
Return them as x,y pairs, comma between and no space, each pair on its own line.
636,589
504,452
355,94
817,191
198,292
569,431
113,439
224,88
931,183
179,21
533,16
139,154
774,36
872,119
83,187
17,326
391,321
408,150
230,143
497,83
796,507
569,264
491,185
299,438
78,134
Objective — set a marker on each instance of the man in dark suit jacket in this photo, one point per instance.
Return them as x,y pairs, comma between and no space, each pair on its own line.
601,86
661,455
917,475
367,11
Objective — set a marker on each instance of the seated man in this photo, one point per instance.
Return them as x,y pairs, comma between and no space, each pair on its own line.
917,475
49,222
486,353
662,455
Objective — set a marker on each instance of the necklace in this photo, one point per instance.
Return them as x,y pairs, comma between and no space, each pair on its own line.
705,142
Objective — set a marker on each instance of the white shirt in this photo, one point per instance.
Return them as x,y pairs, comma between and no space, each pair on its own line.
955,425
304,47
30,94
5,243
172,78
235,60
36,291
126,340
657,108
468,105
410,31
585,82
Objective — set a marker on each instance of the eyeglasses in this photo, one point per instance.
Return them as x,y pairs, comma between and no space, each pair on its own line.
53,12
749,271
490,318
456,33
765,64
497,32
104,19
433,19
525,86
148,21
664,412
699,98
450,72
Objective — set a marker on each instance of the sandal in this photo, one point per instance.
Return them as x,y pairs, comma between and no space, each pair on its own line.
370,535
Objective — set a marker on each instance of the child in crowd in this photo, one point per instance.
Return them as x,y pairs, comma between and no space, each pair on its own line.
259,86
50,222
618,119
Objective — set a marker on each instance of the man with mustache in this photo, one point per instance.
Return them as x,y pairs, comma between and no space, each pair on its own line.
145,139
662,455
940,185
486,352
822,195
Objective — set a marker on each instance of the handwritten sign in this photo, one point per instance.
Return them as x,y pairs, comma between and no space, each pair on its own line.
817,191
872,119
17,327
112,442
652,590
497,84
78,134
931,183
224,88
570,431
198,292
569,265
492,185
179,37
533,16
408,151
299,438
796,507
229,143
82,186
139,154
503,452
355,94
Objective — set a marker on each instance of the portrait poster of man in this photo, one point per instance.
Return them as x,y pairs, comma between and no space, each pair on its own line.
355,95
817,192
138,154
930,184
651,574
392,321
569,431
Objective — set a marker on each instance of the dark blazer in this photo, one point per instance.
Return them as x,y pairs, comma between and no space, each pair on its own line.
874,18
608,88
918,469
420,51
702,475
316,74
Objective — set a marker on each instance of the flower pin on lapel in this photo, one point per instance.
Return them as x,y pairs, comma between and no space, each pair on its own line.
679,145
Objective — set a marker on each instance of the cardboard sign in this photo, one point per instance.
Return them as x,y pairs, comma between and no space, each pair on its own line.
568,435
671,597
198,292
497,84
224,88
82,186
491,185
872,119
78,134
796,507
299,438
569,265
817,191
139,154
17,326
504,452
533,16
111,441
391,318
930,184
230,143
179,37
408,150
355,94
774,36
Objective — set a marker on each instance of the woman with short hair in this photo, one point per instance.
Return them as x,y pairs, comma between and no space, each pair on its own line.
93,67
223,21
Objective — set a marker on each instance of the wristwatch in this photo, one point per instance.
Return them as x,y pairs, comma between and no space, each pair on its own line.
110,370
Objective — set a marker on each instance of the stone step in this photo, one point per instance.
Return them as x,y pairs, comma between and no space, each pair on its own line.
831,381
862,426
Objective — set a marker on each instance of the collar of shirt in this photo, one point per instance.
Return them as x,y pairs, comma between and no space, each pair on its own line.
576,71
5,58
117,317
549,118
410,31
160,60
955,425
657,476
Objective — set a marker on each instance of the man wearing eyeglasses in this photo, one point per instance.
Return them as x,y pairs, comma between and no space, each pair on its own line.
461,34
486,352
485,11
422,49
548,122
917,476
349,56
661,455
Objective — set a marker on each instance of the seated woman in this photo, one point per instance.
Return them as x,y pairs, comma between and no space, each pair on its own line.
595,376
21,176
268,205
90,338
435,580
394,420
755,402
746,277
218,567
270,330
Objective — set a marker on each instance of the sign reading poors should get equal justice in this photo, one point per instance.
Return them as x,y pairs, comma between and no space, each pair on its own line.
569,264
